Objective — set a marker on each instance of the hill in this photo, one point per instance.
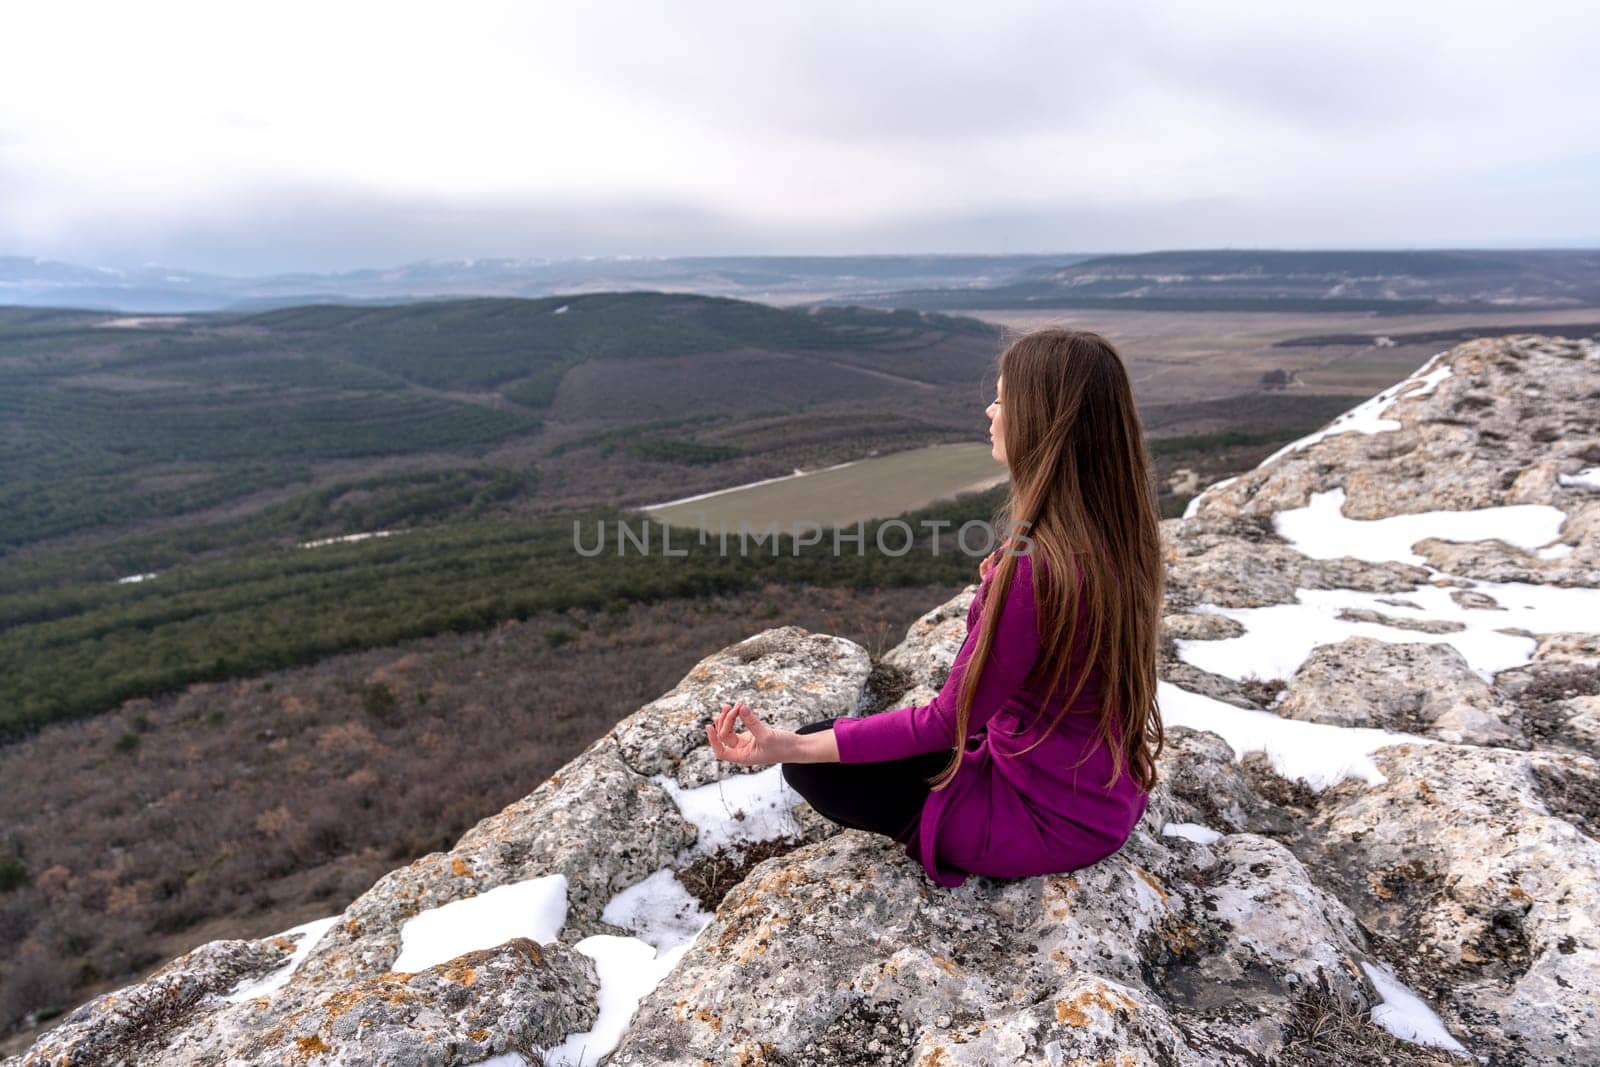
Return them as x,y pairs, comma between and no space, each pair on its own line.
109,421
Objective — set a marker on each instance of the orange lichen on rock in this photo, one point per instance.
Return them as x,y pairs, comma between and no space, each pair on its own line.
777,883
943,964
309,1046
934,1057
460,868
388,987
758,1058
1075,1012
461,974
1057,901
763,938
1179,937
1150,880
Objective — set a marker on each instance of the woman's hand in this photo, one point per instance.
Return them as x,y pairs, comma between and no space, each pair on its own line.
758,746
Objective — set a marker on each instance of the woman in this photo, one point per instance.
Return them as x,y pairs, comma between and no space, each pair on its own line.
1038,754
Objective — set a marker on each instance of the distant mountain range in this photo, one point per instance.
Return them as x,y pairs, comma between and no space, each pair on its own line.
774,279
1267,280
1187,280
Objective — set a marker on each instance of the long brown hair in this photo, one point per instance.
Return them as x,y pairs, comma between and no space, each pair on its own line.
1081,502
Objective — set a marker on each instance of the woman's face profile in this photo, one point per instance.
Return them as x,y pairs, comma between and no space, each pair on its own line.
997,437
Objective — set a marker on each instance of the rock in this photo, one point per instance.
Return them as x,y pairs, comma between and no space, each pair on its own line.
1201,626
1422,688
1477,874
125,1022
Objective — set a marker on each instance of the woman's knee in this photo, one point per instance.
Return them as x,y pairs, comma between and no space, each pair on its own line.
802,776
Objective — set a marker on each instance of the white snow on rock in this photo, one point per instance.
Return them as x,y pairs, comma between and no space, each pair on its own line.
665,920
662,914
535,909
659,911
628,969
1406,1015
743,807
1588,478
309,934
1279,637
1321,531
1318,754
1191,831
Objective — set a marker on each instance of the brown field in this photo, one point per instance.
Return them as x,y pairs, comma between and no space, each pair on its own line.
1175,357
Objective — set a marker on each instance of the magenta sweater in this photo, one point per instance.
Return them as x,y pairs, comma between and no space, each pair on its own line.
1007,817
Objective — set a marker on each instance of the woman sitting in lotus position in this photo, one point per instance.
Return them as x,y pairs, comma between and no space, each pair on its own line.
1039,752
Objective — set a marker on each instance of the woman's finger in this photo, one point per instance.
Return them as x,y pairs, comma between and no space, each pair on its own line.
751,722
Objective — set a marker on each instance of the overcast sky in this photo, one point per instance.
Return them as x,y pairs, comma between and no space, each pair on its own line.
247,138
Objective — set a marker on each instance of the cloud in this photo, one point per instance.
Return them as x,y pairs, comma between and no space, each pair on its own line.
234,138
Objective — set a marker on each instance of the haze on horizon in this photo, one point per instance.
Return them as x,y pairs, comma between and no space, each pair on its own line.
292,136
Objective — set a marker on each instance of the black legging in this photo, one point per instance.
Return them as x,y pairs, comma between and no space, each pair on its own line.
884,797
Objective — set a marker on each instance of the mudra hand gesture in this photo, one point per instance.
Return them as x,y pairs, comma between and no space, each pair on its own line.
758,746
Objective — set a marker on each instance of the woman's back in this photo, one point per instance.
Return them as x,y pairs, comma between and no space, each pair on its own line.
1009,815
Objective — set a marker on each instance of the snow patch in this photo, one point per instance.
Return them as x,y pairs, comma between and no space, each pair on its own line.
743,807
1318,754
1320,529
1406,1015
309,934
536,909
1279,637
659,911
1193,831
1588,478
628,970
